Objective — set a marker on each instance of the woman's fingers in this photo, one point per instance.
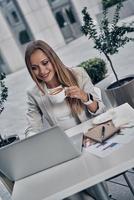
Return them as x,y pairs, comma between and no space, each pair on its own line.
73,92
72,89
76,92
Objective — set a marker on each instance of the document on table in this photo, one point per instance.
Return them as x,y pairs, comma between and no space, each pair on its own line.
122,116
102,150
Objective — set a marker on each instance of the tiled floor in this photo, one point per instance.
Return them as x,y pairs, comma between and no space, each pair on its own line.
120,192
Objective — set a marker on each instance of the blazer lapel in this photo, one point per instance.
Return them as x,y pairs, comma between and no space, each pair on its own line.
48,109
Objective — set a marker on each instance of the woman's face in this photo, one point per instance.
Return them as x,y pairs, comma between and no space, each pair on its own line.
42,67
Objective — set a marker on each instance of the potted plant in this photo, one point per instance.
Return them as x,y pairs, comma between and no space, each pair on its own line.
3,91
108,38
96,69
3,97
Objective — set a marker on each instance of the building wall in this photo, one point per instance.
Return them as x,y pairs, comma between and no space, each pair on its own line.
126,11
8,47
42,23
93,6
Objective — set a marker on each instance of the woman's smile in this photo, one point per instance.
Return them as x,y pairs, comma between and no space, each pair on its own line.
44,76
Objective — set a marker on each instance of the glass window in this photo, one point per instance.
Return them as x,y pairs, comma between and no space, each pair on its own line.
70,15
24,37
15,16
60,19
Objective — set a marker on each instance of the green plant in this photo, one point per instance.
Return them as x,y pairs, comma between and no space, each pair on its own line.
109,3
96,69
108,37
3,91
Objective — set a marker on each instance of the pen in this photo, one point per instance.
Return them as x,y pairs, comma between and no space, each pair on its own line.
109,146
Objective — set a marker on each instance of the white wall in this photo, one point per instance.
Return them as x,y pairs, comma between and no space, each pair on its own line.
41,21
9,48
94,7
126,11
43,25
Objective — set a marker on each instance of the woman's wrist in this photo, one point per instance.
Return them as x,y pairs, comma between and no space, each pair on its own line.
87,100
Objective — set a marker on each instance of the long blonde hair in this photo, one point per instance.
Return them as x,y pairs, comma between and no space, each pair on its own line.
66,77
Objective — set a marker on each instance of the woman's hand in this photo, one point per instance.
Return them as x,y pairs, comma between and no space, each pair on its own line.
76,92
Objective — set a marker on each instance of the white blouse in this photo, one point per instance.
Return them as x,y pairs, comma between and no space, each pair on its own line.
62,113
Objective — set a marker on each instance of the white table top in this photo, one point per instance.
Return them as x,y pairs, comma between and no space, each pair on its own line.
73,176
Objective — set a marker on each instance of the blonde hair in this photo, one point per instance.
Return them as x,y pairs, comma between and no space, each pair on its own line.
66,76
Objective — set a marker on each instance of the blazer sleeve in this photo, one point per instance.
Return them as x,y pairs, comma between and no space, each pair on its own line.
86,84
34,116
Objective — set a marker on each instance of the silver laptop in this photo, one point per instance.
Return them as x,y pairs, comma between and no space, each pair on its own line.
38,152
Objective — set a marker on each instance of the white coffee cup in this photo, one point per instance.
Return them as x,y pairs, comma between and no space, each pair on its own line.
57,96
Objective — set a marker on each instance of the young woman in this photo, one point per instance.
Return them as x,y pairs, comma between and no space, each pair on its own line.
80,102
49,73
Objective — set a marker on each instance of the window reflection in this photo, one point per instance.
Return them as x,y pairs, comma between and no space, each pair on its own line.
70,15
24,37
15,16
60,19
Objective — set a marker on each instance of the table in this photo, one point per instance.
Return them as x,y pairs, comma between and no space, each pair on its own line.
75,175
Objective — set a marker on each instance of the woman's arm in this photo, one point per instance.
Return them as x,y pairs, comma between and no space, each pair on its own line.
34,117
86,92
87,99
